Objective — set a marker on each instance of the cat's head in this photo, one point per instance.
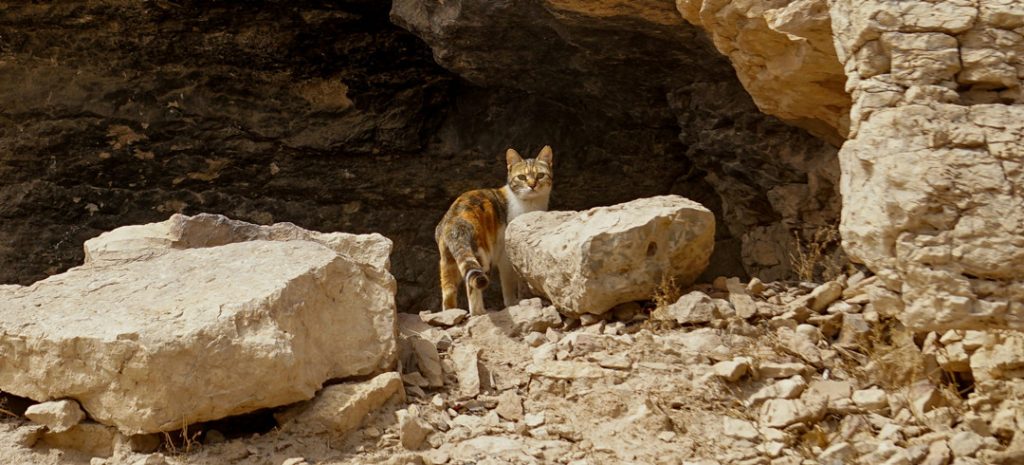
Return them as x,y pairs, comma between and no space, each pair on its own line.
532,177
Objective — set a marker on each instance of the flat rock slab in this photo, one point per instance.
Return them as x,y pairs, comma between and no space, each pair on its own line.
590,261
181,336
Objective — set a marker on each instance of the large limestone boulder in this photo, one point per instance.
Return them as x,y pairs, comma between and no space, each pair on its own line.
932,177
165,326
590,261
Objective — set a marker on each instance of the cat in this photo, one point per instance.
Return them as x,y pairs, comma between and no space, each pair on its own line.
471,236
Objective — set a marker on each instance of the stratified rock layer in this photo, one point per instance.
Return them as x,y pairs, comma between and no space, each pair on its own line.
163,337
587,262
932,178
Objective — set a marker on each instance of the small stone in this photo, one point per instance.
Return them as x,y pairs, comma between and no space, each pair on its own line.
159,459
415,379
693,308
535,339
938,454
780,413
98,461
435,457
924,397
790,388
444,318
531,315
412,430
720,283
615,362
839,453
294,461
428,361
755,287
92,438
781,370
467,369
552,335
819,298
965,443
57,416
740,300
732,370
667,436
534,420
872,399
510,405
28,436
854,329
740,429
588,319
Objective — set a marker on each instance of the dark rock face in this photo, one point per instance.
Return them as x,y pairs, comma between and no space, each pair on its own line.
635,71
327,115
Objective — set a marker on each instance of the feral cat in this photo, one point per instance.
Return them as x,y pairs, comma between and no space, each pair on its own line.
471,236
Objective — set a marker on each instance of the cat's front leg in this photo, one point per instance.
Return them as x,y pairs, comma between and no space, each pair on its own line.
509,282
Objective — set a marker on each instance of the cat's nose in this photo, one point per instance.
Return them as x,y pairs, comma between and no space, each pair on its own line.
532,183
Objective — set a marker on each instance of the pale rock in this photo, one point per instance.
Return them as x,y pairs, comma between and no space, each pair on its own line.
873,399
614,361
28,436
740,300
951,336
732,370
531,315
780,413
841,307
740,429
890,432
295,461
881,453
693,308
755,287
974,340
588,262
435,457
790,388
412,429
938,454
783,54
828,324
800,344
819,298
965,443
535,339
90,438
414,379
159,459
854,330
534,420
467,370
98,461
1000,360
510,405
444,318
552,335
838,453
954,358
428,361
341,408
57,416
924,397
567,370
782,369
272,319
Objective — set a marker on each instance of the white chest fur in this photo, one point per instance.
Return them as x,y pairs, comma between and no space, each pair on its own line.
518,206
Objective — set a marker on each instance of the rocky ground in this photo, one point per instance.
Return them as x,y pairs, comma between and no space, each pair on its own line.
751,373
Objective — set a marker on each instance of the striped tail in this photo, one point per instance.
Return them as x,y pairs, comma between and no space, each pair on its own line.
470,267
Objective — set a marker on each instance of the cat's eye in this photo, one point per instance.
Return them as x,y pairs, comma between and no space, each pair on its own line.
521,177
541,176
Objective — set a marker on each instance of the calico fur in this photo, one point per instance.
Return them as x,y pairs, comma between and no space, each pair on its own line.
471,236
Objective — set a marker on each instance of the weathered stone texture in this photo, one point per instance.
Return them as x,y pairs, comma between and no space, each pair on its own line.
158,339
588,262
782,52
932,178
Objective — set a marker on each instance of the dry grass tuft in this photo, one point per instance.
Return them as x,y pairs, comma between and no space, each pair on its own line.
819,258
667,293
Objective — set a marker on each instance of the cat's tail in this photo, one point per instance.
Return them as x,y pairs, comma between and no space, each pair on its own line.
472,271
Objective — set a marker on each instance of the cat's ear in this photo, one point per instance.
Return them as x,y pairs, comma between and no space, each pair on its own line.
545,155
512,157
